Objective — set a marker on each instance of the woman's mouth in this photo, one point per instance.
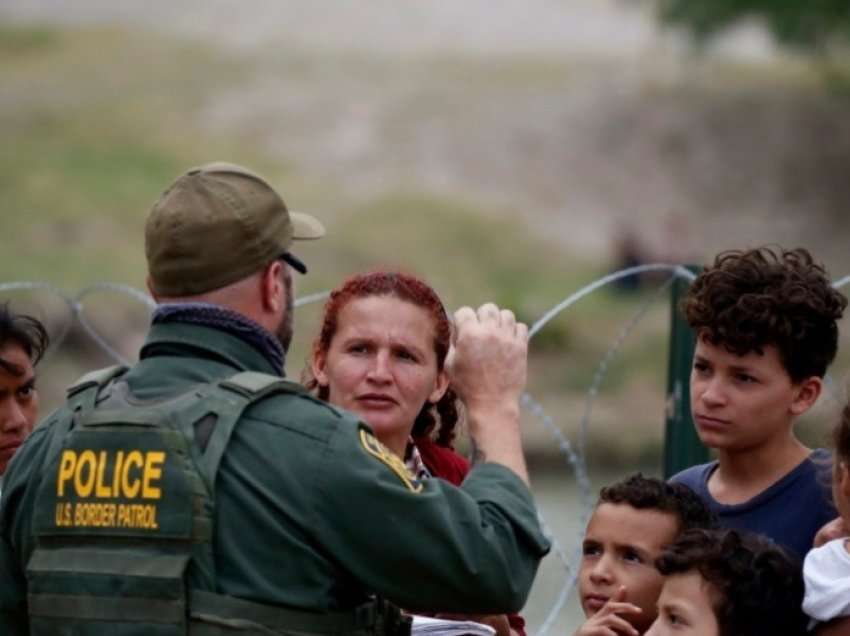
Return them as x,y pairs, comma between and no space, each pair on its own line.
376,400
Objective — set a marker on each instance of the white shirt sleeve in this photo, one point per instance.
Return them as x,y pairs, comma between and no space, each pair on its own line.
826,572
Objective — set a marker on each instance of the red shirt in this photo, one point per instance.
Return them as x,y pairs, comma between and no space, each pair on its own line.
446,464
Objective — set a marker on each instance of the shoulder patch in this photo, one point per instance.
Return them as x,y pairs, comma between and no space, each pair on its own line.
383,454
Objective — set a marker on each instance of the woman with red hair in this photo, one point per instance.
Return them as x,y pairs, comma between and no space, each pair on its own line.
381,354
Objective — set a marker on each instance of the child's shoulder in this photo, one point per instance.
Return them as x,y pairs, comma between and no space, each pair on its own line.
695,477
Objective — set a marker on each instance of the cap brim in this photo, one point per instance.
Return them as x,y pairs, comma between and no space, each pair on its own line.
305,227
294,262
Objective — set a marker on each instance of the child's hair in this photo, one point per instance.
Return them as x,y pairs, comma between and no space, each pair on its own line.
841,435
644,493
752,298
755,586
25,331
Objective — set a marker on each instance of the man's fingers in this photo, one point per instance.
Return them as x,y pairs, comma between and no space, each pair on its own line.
507,318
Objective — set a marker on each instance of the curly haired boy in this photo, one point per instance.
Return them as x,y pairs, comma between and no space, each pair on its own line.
766,330
722,583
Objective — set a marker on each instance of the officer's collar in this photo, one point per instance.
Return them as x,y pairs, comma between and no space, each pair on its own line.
221,319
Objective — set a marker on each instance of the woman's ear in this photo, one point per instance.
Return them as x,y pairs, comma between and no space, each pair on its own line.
808,392
317,365
441,384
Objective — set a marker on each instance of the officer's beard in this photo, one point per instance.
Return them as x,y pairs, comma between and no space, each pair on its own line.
287,324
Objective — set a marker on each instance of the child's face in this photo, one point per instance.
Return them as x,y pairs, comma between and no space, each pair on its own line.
841,487
620,547
742,402
685,608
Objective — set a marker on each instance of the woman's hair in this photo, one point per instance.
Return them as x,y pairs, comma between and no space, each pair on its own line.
755,586
748,299
25,331
409,289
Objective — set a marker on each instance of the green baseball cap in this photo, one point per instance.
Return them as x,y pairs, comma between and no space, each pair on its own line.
218,224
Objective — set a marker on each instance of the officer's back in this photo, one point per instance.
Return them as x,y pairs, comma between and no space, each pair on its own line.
199,490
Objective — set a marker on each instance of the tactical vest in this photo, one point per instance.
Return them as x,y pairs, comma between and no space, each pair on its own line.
124,520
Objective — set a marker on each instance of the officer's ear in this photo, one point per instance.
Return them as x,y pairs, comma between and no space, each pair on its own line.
273,287
149,284
317,366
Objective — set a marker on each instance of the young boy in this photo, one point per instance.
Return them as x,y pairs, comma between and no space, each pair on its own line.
766,330
633,521
721,583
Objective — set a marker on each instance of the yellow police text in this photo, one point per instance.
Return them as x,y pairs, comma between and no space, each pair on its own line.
110,474
106,515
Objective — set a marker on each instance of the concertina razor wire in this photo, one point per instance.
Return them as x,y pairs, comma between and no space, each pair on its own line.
574,455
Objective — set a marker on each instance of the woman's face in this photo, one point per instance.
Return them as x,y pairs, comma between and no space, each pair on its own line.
382,366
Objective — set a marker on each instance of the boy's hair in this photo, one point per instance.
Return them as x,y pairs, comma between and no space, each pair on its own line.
752,298
755,586
25,331
650,493
841,435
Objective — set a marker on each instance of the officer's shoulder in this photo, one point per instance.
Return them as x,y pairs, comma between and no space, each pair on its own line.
48,424
290,400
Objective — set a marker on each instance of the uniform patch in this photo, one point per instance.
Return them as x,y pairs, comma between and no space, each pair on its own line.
386,456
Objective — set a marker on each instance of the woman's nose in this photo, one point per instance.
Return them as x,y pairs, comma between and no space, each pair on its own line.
379,371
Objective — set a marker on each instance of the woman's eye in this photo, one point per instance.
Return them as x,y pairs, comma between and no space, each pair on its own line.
700,367
746,379
406,355
358,348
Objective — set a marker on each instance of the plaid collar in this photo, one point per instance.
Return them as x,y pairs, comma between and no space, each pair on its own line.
414,463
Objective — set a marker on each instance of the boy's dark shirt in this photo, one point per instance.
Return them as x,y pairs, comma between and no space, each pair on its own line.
790,511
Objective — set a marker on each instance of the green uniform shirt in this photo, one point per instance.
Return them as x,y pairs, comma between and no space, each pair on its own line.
310,512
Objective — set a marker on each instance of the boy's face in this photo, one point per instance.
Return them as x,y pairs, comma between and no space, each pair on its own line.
742,402
685,608
620,547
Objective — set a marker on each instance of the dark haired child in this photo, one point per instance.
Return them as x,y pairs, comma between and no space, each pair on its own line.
23,341
826,570
766,330
632,522
725,583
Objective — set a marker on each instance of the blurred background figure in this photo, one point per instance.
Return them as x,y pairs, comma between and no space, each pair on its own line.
23,341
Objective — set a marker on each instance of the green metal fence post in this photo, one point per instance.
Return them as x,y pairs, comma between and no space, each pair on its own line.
682,447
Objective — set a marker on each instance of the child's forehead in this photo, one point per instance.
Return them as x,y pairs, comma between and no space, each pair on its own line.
624,523
690,585
766,357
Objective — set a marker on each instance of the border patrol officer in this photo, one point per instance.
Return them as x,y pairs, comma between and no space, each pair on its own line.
200,493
